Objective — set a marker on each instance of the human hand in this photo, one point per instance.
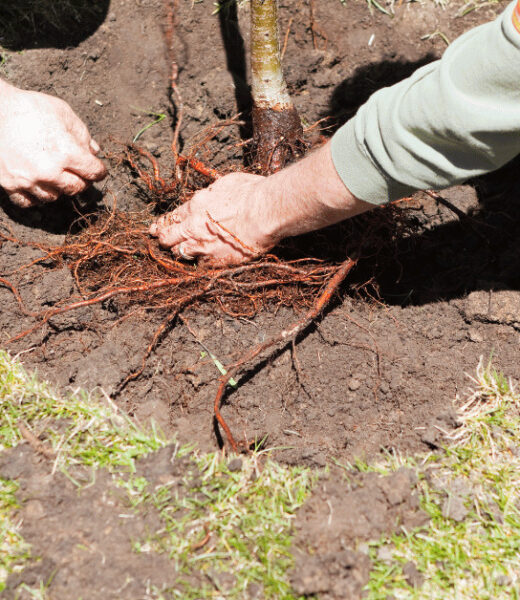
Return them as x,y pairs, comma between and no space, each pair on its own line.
241,215
45,149
226,223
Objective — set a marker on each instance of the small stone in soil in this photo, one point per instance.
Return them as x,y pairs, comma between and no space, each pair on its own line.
475,336
453,508
412,575
235,465
354,384
385,554
429,437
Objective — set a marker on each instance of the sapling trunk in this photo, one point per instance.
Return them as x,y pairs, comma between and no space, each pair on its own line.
277,129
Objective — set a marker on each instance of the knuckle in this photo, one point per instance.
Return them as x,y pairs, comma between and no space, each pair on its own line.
73,188
49,173
44,196
20,199
98,170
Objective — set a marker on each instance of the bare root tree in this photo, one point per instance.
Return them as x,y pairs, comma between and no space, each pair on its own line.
277,129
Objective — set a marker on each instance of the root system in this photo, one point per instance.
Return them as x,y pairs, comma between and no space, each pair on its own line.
114,260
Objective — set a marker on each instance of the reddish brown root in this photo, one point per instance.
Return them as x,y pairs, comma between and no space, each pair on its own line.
282,339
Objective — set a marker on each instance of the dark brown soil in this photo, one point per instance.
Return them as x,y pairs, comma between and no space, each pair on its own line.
82,543
330,544
448,293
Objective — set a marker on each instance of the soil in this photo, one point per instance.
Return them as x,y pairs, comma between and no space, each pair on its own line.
78,559
330,547
447,294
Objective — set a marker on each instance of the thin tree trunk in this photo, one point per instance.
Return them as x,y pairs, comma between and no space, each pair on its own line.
277,129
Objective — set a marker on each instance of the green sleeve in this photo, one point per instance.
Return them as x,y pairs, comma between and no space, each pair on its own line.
451,120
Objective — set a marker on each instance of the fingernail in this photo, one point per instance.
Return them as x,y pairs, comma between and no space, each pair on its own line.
94,146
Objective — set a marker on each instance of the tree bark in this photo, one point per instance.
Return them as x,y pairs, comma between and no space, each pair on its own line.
277,129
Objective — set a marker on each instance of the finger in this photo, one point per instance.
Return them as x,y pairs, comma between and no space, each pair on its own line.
44,193
227,261
186,251
167,229
157,226
85,164
95,148
70,184
172,218
23,199
170,236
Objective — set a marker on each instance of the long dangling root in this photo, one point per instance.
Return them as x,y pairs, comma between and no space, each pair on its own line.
282,339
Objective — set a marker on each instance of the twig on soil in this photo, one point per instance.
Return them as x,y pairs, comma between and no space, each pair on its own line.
315,29
203,541
37,445
465,218
286,37
461,214
171,11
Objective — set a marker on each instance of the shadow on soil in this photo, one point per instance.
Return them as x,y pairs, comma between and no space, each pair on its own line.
478,252
353,92
28,24
66,215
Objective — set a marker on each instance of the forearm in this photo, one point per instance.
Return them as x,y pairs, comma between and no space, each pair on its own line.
306,196
453,119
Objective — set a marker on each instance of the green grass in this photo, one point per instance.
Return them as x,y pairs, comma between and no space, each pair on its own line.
478,557
248,513
13,549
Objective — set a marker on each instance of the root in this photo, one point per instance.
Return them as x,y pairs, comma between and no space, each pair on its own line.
281,340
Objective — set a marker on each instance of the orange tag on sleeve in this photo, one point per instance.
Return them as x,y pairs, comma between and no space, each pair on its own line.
516,16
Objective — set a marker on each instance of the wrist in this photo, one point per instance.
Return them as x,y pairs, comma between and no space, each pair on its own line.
305,196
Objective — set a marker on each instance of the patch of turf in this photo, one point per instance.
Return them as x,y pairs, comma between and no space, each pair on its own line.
234,526
78,429
471,550
245,514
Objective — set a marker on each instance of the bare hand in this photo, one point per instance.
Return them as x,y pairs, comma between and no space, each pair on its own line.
241,215
45,150
223,223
